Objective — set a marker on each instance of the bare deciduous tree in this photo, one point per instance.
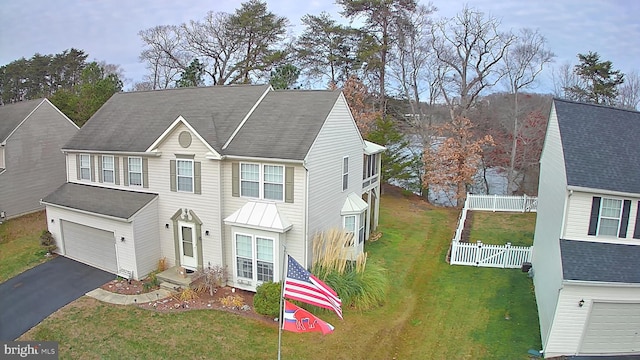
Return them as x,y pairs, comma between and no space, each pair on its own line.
163,54
470,47
629,91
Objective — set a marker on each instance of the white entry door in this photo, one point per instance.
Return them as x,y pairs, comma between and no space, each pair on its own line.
188,246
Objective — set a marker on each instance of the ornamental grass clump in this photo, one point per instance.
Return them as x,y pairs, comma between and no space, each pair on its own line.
358,284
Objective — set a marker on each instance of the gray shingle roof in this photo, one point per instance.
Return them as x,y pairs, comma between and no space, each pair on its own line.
11,115
117,203
601,146
594,261
132,121
284,125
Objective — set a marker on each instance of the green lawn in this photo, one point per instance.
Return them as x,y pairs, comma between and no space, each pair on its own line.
433,311
20,244
499,228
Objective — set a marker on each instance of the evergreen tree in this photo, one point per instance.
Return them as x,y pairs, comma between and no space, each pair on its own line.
284,77
598,82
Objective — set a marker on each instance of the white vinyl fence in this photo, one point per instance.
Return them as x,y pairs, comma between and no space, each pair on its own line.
479,254
498,256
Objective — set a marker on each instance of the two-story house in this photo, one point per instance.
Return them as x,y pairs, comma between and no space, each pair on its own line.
31,164
228,176
587,236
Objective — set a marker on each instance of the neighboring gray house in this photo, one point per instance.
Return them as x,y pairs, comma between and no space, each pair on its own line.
31,163
224,176
587,238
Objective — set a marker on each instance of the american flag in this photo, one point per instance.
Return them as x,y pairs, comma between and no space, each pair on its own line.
301,285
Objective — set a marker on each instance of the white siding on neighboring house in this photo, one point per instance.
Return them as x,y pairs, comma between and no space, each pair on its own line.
546,247
293,212
204,205
124,249
339,137
568,328
579,213
146,234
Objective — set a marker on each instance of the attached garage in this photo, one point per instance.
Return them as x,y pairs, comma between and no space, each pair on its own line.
612,328
89,245
110,229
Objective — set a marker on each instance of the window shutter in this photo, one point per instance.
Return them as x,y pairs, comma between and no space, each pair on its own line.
116,169
145,173
288,183
235,179
172,174
99,168
125,168
626,207
78,165
197,184
595,212
636,230
91,167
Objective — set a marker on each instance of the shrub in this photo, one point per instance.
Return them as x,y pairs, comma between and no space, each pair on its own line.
210,278
266,301
151,282
47,241
187,294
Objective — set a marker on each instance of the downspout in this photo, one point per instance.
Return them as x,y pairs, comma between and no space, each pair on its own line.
306,214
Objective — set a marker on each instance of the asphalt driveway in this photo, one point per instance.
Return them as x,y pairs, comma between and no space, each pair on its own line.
30,297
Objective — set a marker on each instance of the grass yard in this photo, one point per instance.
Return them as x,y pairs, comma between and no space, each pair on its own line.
433,311
499,228
20,244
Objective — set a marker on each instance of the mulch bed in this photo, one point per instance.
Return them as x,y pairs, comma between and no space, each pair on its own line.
127,287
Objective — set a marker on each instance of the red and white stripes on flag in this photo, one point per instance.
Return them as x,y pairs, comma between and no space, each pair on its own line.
301,285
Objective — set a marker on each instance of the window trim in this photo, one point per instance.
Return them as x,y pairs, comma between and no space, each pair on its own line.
129,172
345,173
261,181
254,257
600,217
178,176
113,169
80,167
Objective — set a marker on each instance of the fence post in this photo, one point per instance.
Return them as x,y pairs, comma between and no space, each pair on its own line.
453,252
478,250
495,202
507,254
524,203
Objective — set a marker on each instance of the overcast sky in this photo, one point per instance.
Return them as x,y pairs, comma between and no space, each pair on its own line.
107,29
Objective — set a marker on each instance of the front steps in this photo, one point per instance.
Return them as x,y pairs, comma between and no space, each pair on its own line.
174,279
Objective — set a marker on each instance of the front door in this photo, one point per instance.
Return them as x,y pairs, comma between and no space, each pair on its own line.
188,246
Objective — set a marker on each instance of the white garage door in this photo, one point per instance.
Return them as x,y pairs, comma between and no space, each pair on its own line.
90,245
612,328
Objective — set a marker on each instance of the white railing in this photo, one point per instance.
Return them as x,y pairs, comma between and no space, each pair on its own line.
501,203
485,255
461,221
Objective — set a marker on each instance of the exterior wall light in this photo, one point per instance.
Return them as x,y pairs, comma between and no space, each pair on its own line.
581,303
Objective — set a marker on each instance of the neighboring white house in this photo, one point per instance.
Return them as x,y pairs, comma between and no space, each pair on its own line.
587,239
220,176
31,164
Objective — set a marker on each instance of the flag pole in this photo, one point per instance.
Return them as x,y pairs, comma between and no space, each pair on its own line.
280,320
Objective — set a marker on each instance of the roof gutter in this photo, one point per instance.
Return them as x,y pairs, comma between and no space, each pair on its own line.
134,153
261,159
87,212
602,191
601,283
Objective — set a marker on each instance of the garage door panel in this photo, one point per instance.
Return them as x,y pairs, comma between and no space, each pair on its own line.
90,245
612,328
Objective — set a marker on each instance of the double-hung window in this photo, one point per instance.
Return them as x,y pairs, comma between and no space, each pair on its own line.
262,181
354,225
610,212
345,173
350,227
185,175
254,258
108,169
85,167
135,171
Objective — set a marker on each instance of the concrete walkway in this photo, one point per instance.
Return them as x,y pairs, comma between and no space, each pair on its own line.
121,299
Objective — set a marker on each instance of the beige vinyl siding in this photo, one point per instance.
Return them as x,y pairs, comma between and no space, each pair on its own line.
146,234
125,251
293,212
568,327
204,205
579,212
552,195
338,137
33,161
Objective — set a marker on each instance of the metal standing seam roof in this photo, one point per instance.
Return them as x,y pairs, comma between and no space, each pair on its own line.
11,115
121,204
596,261
259,215
601,146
